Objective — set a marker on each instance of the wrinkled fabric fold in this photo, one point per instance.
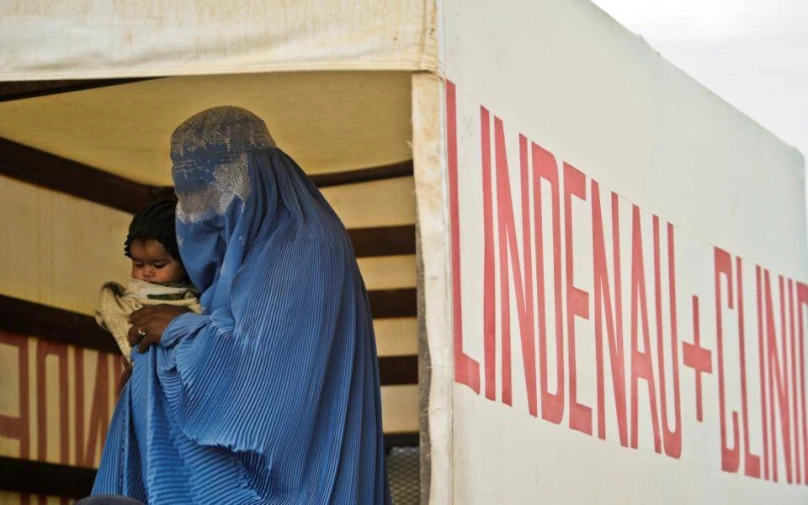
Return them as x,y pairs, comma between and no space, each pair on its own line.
271,395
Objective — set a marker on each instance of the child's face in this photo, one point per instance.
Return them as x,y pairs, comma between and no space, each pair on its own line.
152,263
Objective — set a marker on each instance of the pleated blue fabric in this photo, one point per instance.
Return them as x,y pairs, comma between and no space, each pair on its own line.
271,396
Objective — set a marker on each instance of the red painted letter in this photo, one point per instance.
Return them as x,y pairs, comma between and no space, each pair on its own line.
672,438
99,413
802,301
778,380
466,370
577,299
614,318
523,286
641,365
730,455
751,463
18,428
794,397
58,351
762,365
546,168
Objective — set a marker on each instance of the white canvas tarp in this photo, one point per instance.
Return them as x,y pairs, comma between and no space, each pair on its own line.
103,39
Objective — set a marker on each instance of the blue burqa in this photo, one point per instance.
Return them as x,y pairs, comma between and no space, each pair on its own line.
271,396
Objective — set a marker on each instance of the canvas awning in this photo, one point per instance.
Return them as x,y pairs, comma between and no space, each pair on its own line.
84,39
328,121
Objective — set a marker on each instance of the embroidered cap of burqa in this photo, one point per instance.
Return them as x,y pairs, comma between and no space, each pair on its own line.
272,394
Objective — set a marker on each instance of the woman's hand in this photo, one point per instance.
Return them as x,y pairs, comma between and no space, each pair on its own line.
149,323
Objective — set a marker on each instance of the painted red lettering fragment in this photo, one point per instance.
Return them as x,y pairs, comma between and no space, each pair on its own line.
613,316
78,388
545,168
762,367
778,380
99,413
489,272
466,369
523,285
751,463
641,364
794,397
671,437
802,301
730,453
18,428
577,299
46,349
698,358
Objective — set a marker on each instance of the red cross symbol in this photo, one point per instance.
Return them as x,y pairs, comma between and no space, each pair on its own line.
697,358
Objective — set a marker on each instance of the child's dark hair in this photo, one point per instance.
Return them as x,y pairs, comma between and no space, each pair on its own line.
155,221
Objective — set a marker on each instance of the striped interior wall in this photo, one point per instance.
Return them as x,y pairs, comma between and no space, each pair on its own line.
59,373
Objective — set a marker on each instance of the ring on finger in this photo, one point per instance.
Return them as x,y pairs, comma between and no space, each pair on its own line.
141,333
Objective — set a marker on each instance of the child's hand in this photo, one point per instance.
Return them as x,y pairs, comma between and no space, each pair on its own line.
149,323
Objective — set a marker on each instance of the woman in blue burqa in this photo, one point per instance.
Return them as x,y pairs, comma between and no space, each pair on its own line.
271,395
